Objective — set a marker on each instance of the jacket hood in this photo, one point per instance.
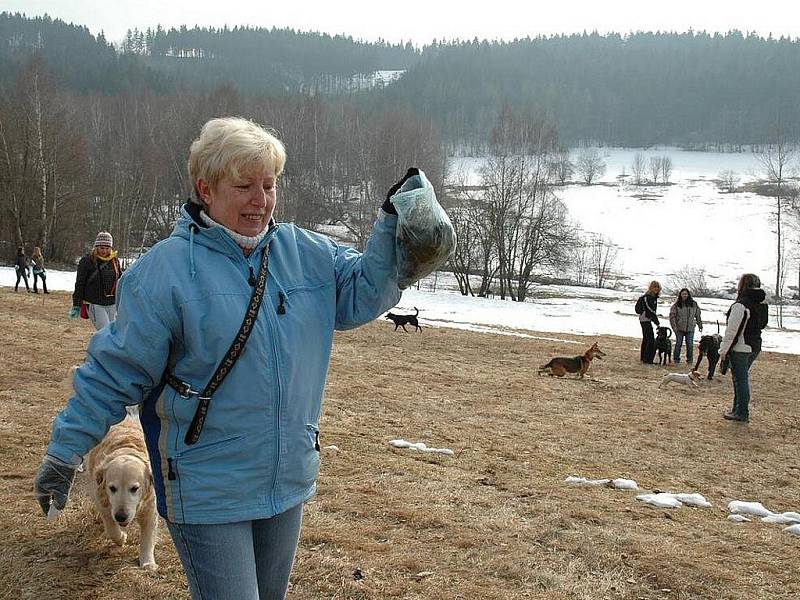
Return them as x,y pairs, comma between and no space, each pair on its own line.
754,295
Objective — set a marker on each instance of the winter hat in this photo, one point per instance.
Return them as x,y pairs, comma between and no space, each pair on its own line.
104,239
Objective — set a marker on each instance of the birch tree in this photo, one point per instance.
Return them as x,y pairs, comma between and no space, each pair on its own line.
777,161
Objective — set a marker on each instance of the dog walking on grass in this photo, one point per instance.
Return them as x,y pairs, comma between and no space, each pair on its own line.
684,378
560,365
403,320
122,487
709,347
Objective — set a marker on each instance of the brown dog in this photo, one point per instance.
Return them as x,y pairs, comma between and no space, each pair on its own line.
560,366
122,487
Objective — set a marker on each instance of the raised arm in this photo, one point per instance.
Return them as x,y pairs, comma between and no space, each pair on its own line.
366,283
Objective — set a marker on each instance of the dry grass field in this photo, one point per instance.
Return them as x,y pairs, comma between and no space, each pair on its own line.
495,520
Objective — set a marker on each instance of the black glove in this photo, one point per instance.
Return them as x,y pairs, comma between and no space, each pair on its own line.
387,204
53,480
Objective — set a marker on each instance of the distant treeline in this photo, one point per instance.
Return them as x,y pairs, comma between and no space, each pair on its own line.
688,89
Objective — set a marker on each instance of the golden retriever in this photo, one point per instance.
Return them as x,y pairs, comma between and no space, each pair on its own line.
122,487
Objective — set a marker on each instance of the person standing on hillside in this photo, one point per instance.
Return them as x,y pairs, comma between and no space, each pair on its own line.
646,308
683,315
741,343
38,270
21,267
231,474
96,283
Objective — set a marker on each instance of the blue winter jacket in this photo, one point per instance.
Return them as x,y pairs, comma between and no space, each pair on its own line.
181,304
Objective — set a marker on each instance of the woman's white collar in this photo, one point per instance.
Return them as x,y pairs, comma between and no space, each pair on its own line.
244,241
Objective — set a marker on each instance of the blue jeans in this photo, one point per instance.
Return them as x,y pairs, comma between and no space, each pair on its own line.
680,336
740,372
249,560
102,315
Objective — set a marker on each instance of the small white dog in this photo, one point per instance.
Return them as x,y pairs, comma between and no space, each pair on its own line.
684,378
122,487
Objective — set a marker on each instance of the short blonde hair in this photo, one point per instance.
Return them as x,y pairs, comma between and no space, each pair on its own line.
654,287
230,146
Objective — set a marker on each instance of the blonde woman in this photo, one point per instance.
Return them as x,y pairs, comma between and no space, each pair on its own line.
37,261
233,502
646,308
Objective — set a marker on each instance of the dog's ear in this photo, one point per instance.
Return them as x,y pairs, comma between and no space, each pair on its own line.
100,473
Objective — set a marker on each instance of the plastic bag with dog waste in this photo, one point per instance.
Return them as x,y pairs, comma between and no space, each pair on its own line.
425,237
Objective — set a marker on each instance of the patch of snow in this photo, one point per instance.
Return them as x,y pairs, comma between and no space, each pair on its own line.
793,529
624,484
573,480
569,310
693,500
782,519
660,500
748,508
420,447
738,518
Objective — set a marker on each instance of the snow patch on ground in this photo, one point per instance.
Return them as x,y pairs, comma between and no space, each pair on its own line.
420,447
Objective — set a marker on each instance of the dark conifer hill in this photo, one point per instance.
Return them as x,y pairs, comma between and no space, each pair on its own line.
688,89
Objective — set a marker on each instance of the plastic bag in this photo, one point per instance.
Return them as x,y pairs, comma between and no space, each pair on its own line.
425,237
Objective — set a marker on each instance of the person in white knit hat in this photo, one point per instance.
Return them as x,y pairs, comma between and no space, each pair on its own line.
95,295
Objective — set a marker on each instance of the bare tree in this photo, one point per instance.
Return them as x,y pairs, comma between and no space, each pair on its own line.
638,168
693,279
474,253
42,156
655,168
728,180
590,165
777,161
666,169
603,259
517,224
561,167
581,262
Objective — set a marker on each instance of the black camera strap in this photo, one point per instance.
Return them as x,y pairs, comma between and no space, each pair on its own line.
226,364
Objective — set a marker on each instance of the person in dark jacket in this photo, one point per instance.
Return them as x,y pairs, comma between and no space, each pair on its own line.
96,282
21,267
684,314
647,318
741,343
38,270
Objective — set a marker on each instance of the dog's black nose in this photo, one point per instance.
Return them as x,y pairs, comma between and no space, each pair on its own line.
120,517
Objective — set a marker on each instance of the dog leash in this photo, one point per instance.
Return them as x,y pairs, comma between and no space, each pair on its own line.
227,362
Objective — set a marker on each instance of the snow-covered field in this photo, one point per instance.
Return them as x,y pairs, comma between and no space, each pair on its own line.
556,309
663,229
568,309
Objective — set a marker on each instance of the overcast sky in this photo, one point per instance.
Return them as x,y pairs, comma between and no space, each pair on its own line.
421,21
